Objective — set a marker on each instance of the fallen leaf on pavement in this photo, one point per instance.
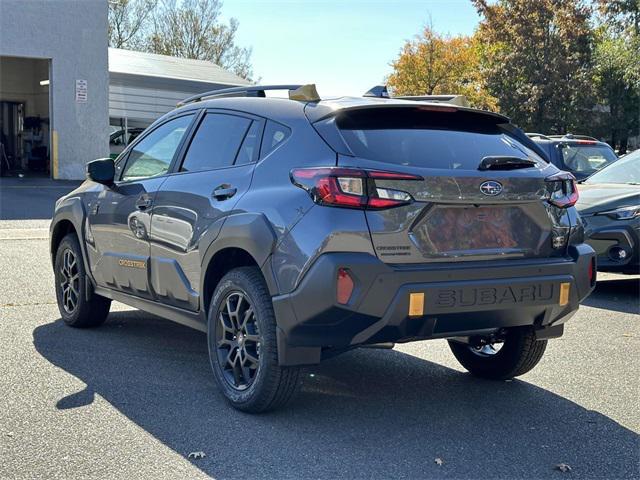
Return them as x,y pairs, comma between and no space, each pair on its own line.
9,434
563,467
627,334
439,461
197,455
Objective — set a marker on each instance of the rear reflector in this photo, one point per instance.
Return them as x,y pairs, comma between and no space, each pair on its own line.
565,288
344,287
592,272
416,304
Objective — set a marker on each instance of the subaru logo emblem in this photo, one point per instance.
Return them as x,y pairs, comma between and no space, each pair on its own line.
491,188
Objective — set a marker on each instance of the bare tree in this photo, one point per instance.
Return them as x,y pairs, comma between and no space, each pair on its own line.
193,29
128,20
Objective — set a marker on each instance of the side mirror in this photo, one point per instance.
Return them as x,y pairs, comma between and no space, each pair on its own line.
102,171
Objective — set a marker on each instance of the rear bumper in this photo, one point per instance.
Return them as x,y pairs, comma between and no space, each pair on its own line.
459,299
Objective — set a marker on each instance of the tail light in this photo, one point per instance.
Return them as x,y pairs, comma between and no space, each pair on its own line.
562,190
351,187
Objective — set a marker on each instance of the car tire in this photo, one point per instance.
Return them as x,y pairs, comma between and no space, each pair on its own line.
242,344
519,353
71,284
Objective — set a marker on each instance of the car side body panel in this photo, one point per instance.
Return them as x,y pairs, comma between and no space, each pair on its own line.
250,232
186,219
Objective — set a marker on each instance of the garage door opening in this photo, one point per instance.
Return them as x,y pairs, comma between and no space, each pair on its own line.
25,120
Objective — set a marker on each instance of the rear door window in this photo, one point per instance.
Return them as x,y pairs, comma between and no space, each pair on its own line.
248,152
427,139
216,142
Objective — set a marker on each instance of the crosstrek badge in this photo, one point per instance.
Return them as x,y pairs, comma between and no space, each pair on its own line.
124,262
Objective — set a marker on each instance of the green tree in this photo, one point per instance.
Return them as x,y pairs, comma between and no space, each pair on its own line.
193,29
617,70
536,55
185,28
621,14
432,64
128,20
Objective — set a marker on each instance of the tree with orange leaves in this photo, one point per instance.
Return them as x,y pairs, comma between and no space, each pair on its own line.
432,64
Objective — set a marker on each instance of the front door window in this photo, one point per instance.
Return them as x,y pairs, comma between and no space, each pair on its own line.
152,156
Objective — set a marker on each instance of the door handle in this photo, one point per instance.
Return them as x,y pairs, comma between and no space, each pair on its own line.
144,202
224,191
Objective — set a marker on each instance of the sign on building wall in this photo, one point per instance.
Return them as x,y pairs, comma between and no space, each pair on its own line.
81,91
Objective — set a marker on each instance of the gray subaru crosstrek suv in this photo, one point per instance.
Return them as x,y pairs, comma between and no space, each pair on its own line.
293,229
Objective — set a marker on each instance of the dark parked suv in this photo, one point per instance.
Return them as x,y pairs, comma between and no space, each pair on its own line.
578,154
291,230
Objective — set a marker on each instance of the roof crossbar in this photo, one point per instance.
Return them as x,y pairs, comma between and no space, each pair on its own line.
248,91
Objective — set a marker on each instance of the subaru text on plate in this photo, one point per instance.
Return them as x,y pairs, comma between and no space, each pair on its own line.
294,229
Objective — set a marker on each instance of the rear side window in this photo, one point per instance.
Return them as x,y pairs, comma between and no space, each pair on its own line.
445,140
274,135
216,142
586,158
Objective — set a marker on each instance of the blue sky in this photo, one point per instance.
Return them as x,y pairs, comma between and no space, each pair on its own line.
344,46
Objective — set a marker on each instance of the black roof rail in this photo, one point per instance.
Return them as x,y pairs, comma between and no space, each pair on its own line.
537,135
248,91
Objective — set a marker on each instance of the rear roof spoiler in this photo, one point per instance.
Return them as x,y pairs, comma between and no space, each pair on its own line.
379,91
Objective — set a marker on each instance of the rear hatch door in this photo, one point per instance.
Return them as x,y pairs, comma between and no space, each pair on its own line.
482,193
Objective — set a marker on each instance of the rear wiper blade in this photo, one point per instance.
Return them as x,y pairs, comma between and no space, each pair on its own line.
505,163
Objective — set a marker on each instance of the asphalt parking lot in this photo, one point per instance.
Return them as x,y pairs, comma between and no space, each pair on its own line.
133,398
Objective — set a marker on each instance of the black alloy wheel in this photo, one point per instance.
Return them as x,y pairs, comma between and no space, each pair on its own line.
243,344
69,281
79,305
238,340
517,354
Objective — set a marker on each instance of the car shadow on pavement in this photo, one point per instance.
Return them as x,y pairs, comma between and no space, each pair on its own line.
365,414
621,295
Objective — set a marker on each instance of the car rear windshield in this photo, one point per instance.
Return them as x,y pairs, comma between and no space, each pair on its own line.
445,140
586,158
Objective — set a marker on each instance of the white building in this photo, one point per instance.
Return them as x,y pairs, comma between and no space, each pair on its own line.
143,86
61,87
